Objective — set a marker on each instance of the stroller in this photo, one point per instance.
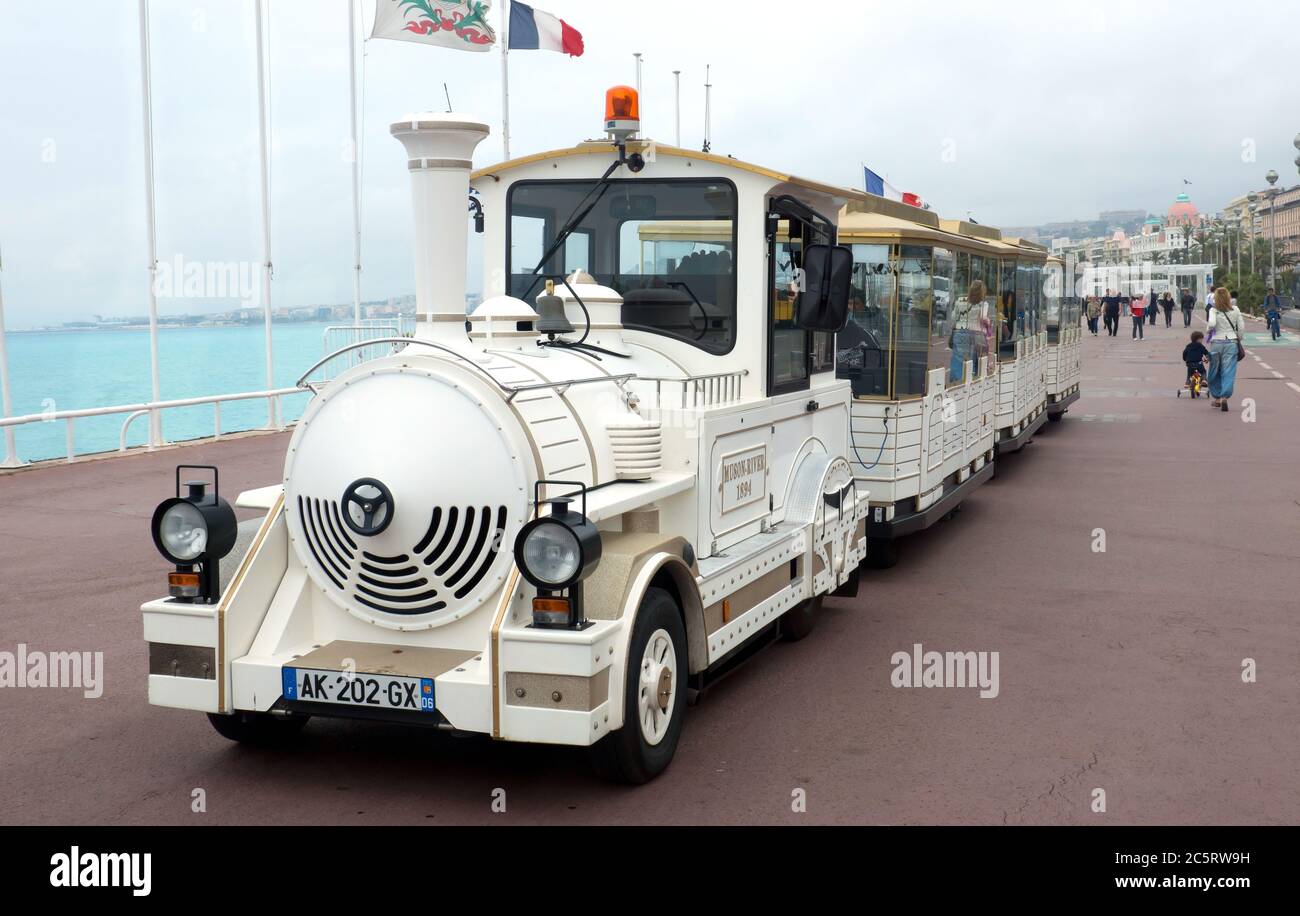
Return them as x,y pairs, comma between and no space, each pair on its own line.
1195,381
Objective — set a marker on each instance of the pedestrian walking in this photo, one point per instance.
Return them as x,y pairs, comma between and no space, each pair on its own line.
1225,325
1110,306
1151,307
1187,302
1209,303
1273,312
1138,309
1167,303
1094,314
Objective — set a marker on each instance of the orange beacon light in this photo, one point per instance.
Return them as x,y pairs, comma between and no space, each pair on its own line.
622,112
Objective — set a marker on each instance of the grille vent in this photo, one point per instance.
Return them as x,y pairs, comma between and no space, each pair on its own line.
449,561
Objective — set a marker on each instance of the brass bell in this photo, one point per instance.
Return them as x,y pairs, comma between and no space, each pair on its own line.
550,310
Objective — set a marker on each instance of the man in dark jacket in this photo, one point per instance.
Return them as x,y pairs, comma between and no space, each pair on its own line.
1187,302
1110,311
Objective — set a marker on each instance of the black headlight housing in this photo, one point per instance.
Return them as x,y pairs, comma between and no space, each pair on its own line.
555,552
195,532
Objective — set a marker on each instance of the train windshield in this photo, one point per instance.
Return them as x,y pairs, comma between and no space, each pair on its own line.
667,247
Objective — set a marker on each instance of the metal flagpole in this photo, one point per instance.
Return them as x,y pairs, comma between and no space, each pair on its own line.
505,78
640,101
155,419
11,448
356,180
677,106
273,413
708,87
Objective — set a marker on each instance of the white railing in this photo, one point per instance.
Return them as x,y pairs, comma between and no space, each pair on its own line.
697,390
69,417
361,343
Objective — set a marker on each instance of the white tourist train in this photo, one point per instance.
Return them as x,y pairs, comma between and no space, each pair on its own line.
548,522
957,348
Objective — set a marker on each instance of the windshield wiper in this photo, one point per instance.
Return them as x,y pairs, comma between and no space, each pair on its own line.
634,163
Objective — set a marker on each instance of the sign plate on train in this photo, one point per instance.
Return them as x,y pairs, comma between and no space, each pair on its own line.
345,688
744,477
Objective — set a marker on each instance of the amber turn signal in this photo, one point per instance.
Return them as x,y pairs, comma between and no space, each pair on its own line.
183,584
551,612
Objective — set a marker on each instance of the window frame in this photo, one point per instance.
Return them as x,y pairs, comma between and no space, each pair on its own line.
733,316
811,364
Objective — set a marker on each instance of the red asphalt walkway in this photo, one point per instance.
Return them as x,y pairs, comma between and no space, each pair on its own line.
1118,670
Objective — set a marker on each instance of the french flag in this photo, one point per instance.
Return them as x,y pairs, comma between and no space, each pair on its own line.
881,188
534,30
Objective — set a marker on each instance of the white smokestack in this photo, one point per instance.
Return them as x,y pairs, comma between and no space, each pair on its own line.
439,149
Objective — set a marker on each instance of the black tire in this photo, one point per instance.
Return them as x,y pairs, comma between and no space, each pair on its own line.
800,620
259,728
625,755
882,553
1055,417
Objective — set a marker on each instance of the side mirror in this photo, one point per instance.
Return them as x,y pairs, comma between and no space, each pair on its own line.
824,301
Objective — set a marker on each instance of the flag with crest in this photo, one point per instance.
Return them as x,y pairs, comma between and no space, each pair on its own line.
461,24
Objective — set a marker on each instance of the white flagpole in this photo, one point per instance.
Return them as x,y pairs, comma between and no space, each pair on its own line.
677,107
356,180
640,101
708,88
11,448
155,419
273,413
505,78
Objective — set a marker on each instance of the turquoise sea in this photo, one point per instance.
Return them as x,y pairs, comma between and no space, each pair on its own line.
71,370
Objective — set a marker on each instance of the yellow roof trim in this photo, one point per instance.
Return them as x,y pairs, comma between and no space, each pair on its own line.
599,147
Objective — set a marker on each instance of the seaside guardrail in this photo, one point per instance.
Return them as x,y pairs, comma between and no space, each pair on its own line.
69,417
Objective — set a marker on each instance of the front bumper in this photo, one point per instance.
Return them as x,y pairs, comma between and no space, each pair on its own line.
526,684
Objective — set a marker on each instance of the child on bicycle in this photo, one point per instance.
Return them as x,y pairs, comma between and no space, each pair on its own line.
1195,356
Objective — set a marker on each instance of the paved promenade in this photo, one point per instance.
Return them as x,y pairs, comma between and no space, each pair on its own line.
1119,670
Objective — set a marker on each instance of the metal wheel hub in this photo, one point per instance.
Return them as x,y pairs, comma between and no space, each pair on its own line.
657,686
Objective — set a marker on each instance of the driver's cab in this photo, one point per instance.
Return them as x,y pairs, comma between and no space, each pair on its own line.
706,252
720,288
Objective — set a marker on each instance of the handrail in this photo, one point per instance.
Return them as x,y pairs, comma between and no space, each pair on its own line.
69,417
510,391
714,388
147,406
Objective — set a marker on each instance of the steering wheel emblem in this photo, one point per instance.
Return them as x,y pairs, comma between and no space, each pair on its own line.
367,506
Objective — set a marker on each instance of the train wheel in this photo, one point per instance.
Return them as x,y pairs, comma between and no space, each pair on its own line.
882,553
799,621
258,727
654,697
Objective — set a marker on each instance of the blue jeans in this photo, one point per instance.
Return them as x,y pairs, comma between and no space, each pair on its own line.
1223,368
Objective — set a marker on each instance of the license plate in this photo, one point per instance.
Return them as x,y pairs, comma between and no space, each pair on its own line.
377,691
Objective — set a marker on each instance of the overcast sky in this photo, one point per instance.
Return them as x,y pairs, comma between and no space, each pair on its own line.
1019,112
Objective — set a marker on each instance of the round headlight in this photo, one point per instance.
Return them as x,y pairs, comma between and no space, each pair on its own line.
551,554
182,532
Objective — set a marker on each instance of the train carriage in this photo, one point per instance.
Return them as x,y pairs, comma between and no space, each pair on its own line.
921,357
1022,345
548,522
1062,312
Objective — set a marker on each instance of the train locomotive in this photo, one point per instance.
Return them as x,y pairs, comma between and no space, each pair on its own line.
555,519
